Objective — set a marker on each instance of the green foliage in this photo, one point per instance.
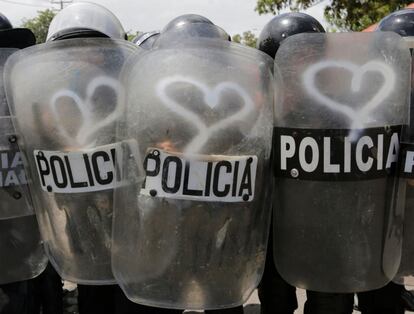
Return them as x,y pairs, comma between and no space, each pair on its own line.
248,39
236,38
40,24
131,35
274,6
353,15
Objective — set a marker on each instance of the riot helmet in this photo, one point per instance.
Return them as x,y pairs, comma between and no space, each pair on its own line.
14,37
4,22
20,240
185,19
202,30
83,19
283,26
193,28
400,22
146,40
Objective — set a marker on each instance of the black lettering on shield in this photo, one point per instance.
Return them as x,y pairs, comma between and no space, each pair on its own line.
226,164
53,161
116,165
42,171
96,170
165,170
155,155
208,179
246,182
235,177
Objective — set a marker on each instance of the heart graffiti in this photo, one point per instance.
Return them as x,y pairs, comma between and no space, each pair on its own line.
212,97
357,117
90,124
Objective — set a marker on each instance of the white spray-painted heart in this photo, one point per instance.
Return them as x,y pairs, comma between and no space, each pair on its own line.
90,124
357,117
212,97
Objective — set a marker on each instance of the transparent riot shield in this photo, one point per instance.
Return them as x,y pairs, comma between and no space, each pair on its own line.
337,223
191,223
66,98
20,243
405,273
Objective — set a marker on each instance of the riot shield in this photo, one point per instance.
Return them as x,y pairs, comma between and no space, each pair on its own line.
20,242
66,98
21,247
405,273
191,222
14,194
337,221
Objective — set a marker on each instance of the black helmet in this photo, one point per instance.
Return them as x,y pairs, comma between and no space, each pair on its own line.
146,40
193,25
14,37
400,22
283,26
186,19
4,22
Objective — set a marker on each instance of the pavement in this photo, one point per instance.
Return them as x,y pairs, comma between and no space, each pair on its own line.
252,306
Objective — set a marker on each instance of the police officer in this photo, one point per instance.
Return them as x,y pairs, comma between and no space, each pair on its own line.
393,298
14,37
24,297
193,25
193,265
276,295
17,295
75,22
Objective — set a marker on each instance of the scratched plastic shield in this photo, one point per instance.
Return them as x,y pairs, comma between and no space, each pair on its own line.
405,273
338,218
66,98
14,194
20,243
187,236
